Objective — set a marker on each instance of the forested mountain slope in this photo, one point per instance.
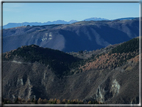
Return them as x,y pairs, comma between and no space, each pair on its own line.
110,75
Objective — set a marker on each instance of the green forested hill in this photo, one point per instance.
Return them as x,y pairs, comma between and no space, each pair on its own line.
58,61
129,46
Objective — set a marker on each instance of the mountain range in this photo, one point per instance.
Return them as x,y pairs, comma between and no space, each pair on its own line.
11,25
33,74
83,35
85,62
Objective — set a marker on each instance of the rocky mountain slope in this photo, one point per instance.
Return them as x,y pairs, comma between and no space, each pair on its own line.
110,75
84,35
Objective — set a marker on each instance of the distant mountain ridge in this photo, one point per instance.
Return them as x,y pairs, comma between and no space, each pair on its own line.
126,18
95,19
83,35
11,25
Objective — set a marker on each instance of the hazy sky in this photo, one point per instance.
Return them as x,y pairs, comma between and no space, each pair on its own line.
43,12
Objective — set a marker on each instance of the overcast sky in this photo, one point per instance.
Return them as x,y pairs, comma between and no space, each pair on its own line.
43,12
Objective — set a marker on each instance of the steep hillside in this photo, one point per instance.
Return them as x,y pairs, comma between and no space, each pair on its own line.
84,35
58,61
114,58
107,76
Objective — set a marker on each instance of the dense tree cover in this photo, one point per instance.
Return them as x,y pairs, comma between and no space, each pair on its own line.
128,46
50,101
63,64
115,58
59,62
127,50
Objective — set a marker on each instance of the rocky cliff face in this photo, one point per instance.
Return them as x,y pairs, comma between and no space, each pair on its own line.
112,83
85,35
35,80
